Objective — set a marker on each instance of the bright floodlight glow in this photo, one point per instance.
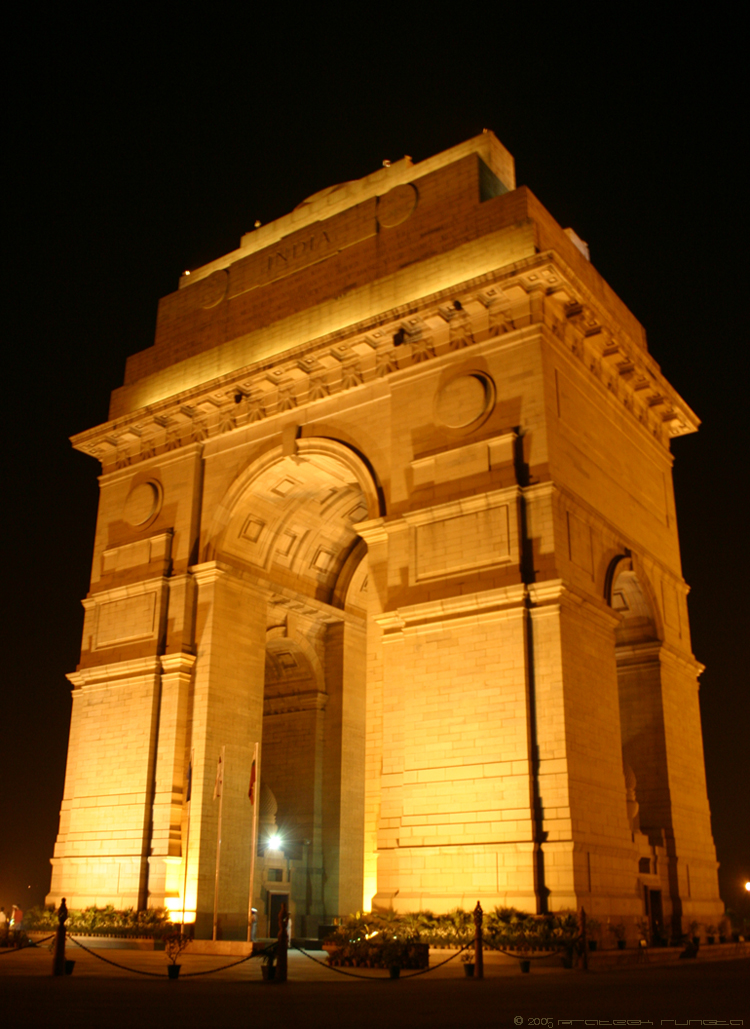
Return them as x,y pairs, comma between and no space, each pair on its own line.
275,842
747,886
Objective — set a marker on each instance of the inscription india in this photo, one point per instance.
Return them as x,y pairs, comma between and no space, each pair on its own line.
307,246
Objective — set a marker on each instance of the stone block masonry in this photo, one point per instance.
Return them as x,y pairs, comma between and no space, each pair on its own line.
390,496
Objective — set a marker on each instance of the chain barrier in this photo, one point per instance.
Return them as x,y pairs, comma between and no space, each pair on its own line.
208,971
160,975
30,944
254,954
116,964
356,975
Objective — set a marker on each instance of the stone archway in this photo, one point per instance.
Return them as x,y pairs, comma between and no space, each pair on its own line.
287,531
637,651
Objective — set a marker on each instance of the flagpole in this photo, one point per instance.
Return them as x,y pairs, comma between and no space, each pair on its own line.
256,763
187,837
220,783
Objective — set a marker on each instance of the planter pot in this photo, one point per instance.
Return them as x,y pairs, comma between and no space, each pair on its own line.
567,961
722,939
268,972
469,971
621,944
395,971
525,966
69,966
696,941
173,971
710,939
593,944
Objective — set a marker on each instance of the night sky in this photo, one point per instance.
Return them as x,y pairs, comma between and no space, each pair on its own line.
138,149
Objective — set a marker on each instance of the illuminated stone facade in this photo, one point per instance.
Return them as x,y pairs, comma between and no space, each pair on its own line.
391,495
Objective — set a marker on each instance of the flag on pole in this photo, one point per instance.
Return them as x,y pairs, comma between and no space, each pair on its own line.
251,790
219,779
189,788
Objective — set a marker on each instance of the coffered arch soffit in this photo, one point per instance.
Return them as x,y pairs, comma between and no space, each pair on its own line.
292,517
290,660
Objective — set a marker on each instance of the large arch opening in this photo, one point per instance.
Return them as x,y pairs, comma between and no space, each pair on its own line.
639,679
288,525
637,651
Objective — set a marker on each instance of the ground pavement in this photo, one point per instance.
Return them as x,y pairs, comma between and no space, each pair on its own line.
101,995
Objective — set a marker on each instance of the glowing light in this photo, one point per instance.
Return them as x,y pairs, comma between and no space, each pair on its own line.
747,887
177,916
274,842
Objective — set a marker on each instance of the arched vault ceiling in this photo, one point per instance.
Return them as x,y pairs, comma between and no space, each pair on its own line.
631,603
295,523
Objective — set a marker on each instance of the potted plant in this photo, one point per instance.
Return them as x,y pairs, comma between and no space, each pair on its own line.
619,932
694,929
711,932
593,927
174,944
468,959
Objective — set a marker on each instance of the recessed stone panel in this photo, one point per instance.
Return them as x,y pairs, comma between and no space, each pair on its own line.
579,543
125,620
467,542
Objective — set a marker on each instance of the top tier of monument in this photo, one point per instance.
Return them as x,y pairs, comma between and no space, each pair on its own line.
348,256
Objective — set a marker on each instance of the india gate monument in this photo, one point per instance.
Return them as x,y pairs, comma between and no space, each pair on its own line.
389,503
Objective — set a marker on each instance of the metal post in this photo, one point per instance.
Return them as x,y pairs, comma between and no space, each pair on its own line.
58,960
478,957
584,941
256,808
187,839
282,945
220,787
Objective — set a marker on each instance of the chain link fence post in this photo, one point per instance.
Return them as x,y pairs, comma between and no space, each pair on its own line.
478,942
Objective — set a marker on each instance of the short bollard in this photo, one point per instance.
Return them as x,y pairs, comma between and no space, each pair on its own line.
282,946
58,959
478,955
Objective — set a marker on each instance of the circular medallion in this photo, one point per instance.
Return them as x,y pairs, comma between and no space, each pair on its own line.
143,503
213,288
396,205
464,401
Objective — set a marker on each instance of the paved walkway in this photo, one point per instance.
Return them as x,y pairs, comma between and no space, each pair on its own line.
101,995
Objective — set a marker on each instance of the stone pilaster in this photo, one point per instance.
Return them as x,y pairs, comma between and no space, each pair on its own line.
227,712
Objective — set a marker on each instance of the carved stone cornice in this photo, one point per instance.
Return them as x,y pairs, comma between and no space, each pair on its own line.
503,602
535,291
548,596
120,673
179,663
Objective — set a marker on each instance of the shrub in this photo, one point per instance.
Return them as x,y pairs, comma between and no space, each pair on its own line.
104,921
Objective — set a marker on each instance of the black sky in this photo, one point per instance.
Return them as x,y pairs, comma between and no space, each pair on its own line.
137,149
